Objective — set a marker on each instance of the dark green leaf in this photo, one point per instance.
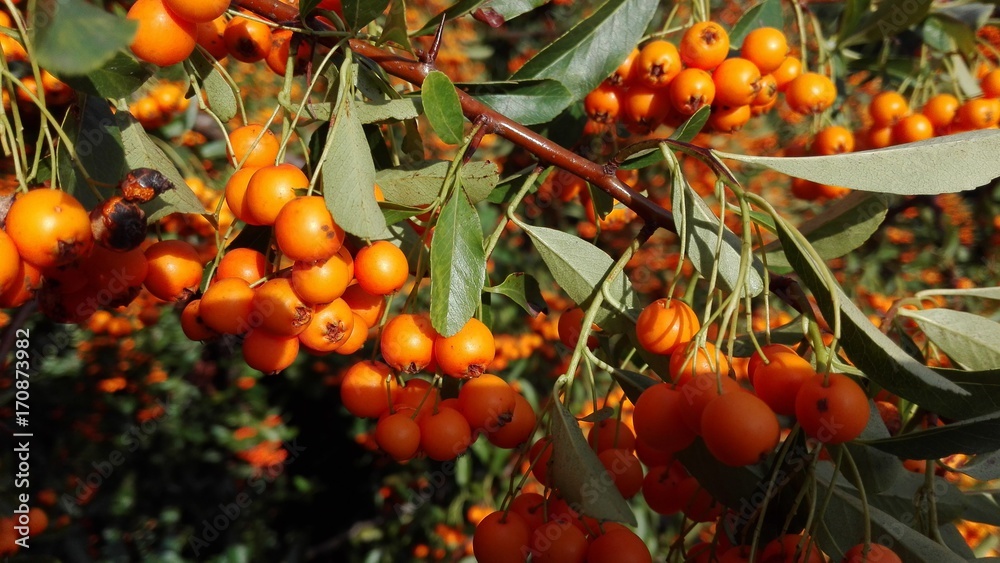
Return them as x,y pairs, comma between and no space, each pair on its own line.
579,267
970,437
729,485
349,171
456,10
505,9
118,77
73,37
633,383
394,30
842,527
603,203
839,229
600,414
879,470
973,15
385,111
694,217
511,185
593,48
444,112
881,359
522,289
221,96
983,388
358,13
306,8
580,476
951,163
947,34
765,14
891,18
972,341
458,265
394,213
142,152
854,11
98,144
528,102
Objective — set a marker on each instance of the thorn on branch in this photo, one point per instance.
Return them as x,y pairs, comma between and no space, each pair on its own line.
482,128
430,57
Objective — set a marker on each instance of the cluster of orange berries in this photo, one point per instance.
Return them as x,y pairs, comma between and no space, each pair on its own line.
170,30
663,83
893,122
158,106
413,418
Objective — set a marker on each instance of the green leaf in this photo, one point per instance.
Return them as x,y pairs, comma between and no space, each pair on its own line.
765,14
972,341
983,388
420,184
385,111
982,292
879,470
839,229
593,48
891,18
973,15
522,289
221,97
394,30
506,9
142,152
580,476
971,436
458,265
73,37
633,383
349,171
842,526
358,13
118,77
729,485
306,8
695,218
444,111
947,164
854,11
579,267
394,213
98,144
985,467
881,359
528,102
947,34
602,203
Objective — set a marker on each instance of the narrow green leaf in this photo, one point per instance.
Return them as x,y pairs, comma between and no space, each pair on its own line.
522,289
839,229
729,485
982,507
73,37
970,437
891,18
118,77
306,8
444,111
221,97
394,30
458,9
951,163
421,183
881,359
854,11
982,292
385,111
947,34
580,476
528,102
602,203
879,470
579,267
458,265
394,213
983,388
972,341
973,15
587,53
142,152
633,383
765,14
504,9
694,217
349,171
359,13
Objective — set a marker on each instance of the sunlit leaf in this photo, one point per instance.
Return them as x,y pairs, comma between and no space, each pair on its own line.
458,265
528,102
971,340
765,14
522,289
73,37
358,13
441,104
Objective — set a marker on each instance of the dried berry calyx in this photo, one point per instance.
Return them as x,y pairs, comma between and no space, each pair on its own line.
118,224
143,184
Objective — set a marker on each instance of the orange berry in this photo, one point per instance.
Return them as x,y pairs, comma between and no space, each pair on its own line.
886,108
834,411
269,190
251,151
765,47
737,82
739,429
666,324
657,419
398,435
520,427
49,228
247,40
197,11
331,325
657,64
244,263
267,352
368,389
487,402
163,38
445,434
501,538
691,89
408,342
704,45
227,306
323,281
381,268
466,353
279,309
304,228
174,266
810,93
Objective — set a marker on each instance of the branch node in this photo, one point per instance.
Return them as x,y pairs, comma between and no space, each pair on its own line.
430,57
